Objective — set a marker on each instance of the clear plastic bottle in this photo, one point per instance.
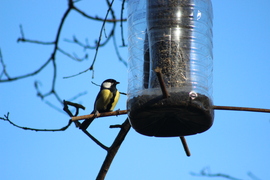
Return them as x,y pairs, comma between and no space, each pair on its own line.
176,36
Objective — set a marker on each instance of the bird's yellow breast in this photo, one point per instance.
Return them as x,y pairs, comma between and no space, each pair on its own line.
117,96
106,99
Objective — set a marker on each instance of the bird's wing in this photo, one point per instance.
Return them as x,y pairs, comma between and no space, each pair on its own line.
103,99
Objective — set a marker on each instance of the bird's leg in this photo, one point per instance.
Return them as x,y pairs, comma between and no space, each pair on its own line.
96,114
118,111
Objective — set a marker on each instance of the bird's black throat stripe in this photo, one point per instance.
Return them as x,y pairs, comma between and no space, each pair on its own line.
111,100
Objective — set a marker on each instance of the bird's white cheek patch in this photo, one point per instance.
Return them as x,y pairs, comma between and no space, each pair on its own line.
107,84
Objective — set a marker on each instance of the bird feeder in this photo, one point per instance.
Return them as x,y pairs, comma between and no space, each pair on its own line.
170,67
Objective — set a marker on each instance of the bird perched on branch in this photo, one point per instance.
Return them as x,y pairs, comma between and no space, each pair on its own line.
106,100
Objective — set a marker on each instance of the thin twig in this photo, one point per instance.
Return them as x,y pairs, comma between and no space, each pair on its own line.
9,79
117,52
84,46
4,71
241,109
23,39
98,44
76,105
87,46
98,18
206,173
6,118
71,56
184,143
95,140
77,96
121,23
100,34
161,83
79,106
34,41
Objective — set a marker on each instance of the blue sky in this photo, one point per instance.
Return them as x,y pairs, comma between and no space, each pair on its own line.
237,143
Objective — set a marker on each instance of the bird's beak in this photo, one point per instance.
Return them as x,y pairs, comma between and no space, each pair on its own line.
117,82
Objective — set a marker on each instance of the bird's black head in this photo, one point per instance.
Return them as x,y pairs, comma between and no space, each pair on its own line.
108,83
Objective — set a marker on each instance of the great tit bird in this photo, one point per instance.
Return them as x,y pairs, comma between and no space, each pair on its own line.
106,100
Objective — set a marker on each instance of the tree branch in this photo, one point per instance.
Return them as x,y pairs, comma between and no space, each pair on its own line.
121,23
125,127
6,118
241,109
98,18
23,39
73,57
51,59
114,113
91,68
206,172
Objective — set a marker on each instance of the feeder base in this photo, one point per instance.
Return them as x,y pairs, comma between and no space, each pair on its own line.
177,115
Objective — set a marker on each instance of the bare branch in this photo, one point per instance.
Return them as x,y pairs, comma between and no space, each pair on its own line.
99,44
4,71
123,93
241,109
95,140
100,35
162,83
23,39
78,106
118,112
118,53
121,23
6,118
51,59
252,176
125,127
51,105
73,57
84,46
77,96
95,83
9,79
185,145
205,172
114,113
34,41
98,18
